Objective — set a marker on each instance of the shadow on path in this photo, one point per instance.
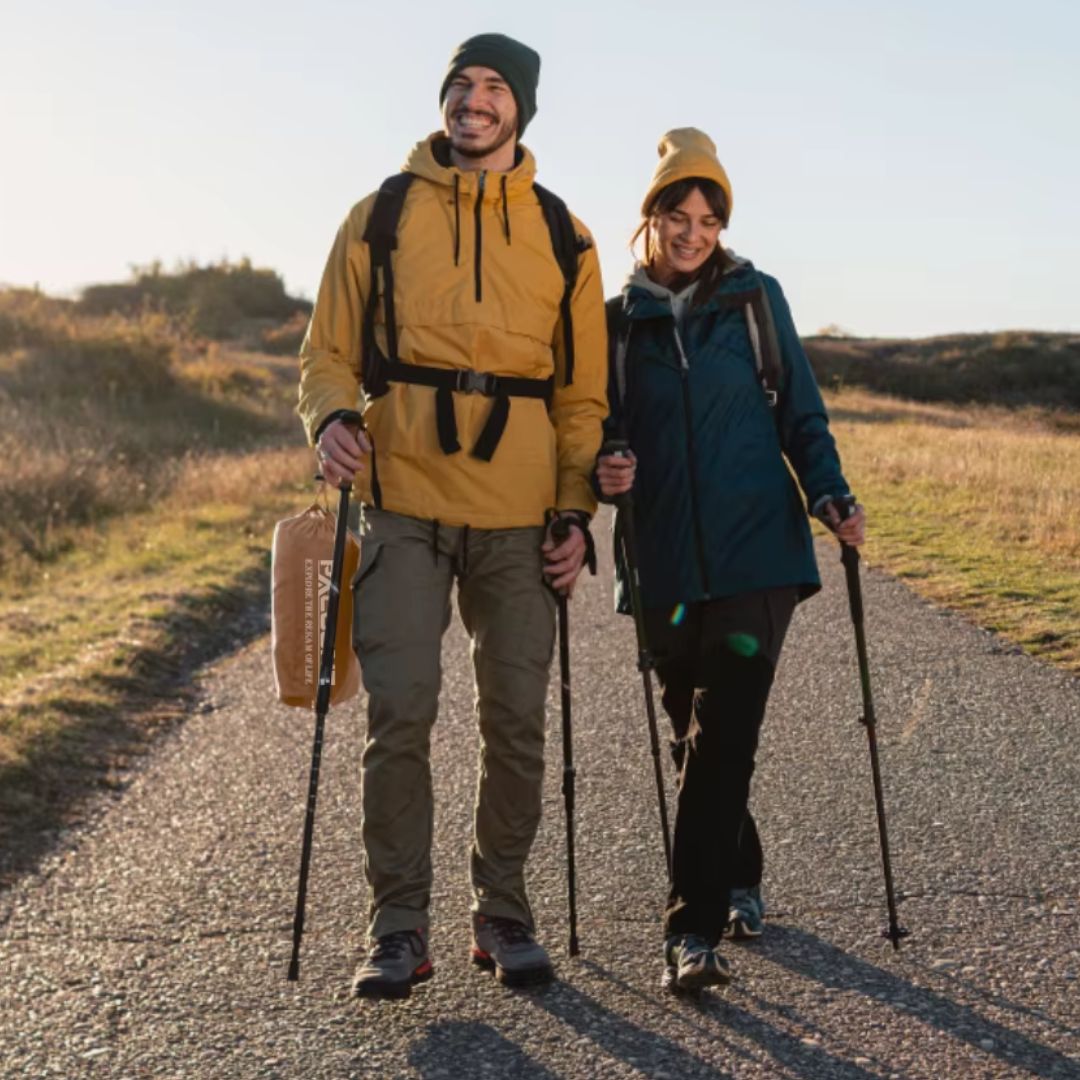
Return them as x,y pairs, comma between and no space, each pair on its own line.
461,1050
711,1015
812,958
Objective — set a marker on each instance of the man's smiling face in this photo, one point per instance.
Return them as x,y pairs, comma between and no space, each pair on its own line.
479,112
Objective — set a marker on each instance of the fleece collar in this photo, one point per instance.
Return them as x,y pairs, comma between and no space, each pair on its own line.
643,298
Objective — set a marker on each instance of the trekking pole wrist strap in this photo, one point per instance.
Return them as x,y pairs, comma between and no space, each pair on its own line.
581,519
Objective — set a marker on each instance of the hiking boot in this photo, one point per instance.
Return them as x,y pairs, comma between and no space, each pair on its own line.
691,964
746,914
508,948
394,963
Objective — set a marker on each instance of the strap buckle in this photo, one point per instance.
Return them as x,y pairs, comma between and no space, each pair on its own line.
476,382
772,397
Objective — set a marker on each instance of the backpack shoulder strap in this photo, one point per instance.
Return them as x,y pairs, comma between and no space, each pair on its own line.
765,343
567,246
619,328
381,238
385,214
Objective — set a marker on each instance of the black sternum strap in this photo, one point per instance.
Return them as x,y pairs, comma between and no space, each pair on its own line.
448,381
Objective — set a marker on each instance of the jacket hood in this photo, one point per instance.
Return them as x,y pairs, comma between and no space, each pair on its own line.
638,278
430,159
642,295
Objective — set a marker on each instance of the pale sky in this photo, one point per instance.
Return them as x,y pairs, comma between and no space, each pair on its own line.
904,168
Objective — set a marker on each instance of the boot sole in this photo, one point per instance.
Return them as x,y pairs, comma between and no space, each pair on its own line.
393,990
693,983
535,976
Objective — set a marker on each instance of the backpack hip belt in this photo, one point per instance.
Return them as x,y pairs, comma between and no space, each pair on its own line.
447,382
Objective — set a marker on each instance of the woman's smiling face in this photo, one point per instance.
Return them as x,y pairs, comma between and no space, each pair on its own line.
685,237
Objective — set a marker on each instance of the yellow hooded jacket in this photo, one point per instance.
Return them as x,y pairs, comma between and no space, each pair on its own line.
475,287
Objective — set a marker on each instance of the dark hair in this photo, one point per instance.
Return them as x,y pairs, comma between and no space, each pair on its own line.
670,198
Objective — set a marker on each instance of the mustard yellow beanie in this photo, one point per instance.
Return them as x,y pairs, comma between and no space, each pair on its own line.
686,152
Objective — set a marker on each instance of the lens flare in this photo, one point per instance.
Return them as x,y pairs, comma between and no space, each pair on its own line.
678,614
743,644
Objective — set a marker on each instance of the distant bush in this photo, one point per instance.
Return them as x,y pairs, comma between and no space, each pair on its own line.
29,317
1014,368
217,300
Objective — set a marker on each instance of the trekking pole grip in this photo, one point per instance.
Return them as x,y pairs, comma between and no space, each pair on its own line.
560,527
849,556
618,448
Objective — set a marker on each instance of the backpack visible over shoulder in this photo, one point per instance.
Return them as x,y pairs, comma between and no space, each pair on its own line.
760,326
381,237
379,371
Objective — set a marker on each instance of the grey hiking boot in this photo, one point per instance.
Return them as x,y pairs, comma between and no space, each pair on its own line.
746,914
690,964
508,948
394,964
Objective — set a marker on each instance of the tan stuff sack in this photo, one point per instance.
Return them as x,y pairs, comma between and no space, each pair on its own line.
303,556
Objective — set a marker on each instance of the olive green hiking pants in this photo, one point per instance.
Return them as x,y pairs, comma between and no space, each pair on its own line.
401,611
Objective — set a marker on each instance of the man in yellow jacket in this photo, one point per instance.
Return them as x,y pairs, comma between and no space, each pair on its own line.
479,364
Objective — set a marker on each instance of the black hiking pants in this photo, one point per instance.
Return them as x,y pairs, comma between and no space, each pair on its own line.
715,667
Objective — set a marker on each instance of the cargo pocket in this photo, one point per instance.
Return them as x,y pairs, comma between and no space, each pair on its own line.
369,558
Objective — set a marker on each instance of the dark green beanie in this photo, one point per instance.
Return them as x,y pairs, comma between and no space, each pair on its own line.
516,63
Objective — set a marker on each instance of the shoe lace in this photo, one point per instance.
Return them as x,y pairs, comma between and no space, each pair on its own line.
510,931
391,946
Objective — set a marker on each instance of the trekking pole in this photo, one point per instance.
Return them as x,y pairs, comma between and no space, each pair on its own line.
625,505
849,556
560,530
322,707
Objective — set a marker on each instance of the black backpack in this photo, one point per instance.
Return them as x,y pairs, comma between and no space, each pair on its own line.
379,371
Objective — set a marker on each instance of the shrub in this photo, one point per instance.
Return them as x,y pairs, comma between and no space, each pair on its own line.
1015,368
215,299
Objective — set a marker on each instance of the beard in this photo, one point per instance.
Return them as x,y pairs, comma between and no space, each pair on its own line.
503,133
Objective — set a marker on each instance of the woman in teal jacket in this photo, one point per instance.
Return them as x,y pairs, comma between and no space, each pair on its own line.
710,387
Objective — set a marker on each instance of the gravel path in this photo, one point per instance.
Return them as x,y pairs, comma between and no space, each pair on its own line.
153,942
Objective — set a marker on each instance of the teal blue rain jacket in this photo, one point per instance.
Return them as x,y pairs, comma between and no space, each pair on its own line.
716,508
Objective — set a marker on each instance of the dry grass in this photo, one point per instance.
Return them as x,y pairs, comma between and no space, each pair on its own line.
225,478
978,507
144,468
97,648
105,415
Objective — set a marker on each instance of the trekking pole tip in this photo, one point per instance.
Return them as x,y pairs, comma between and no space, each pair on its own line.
895,934
294,970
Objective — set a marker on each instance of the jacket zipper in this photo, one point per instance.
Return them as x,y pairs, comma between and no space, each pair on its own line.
699,537
479,233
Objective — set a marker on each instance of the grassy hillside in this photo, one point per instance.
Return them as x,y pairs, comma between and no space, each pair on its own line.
1013,369
145,463
102,415
976,507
